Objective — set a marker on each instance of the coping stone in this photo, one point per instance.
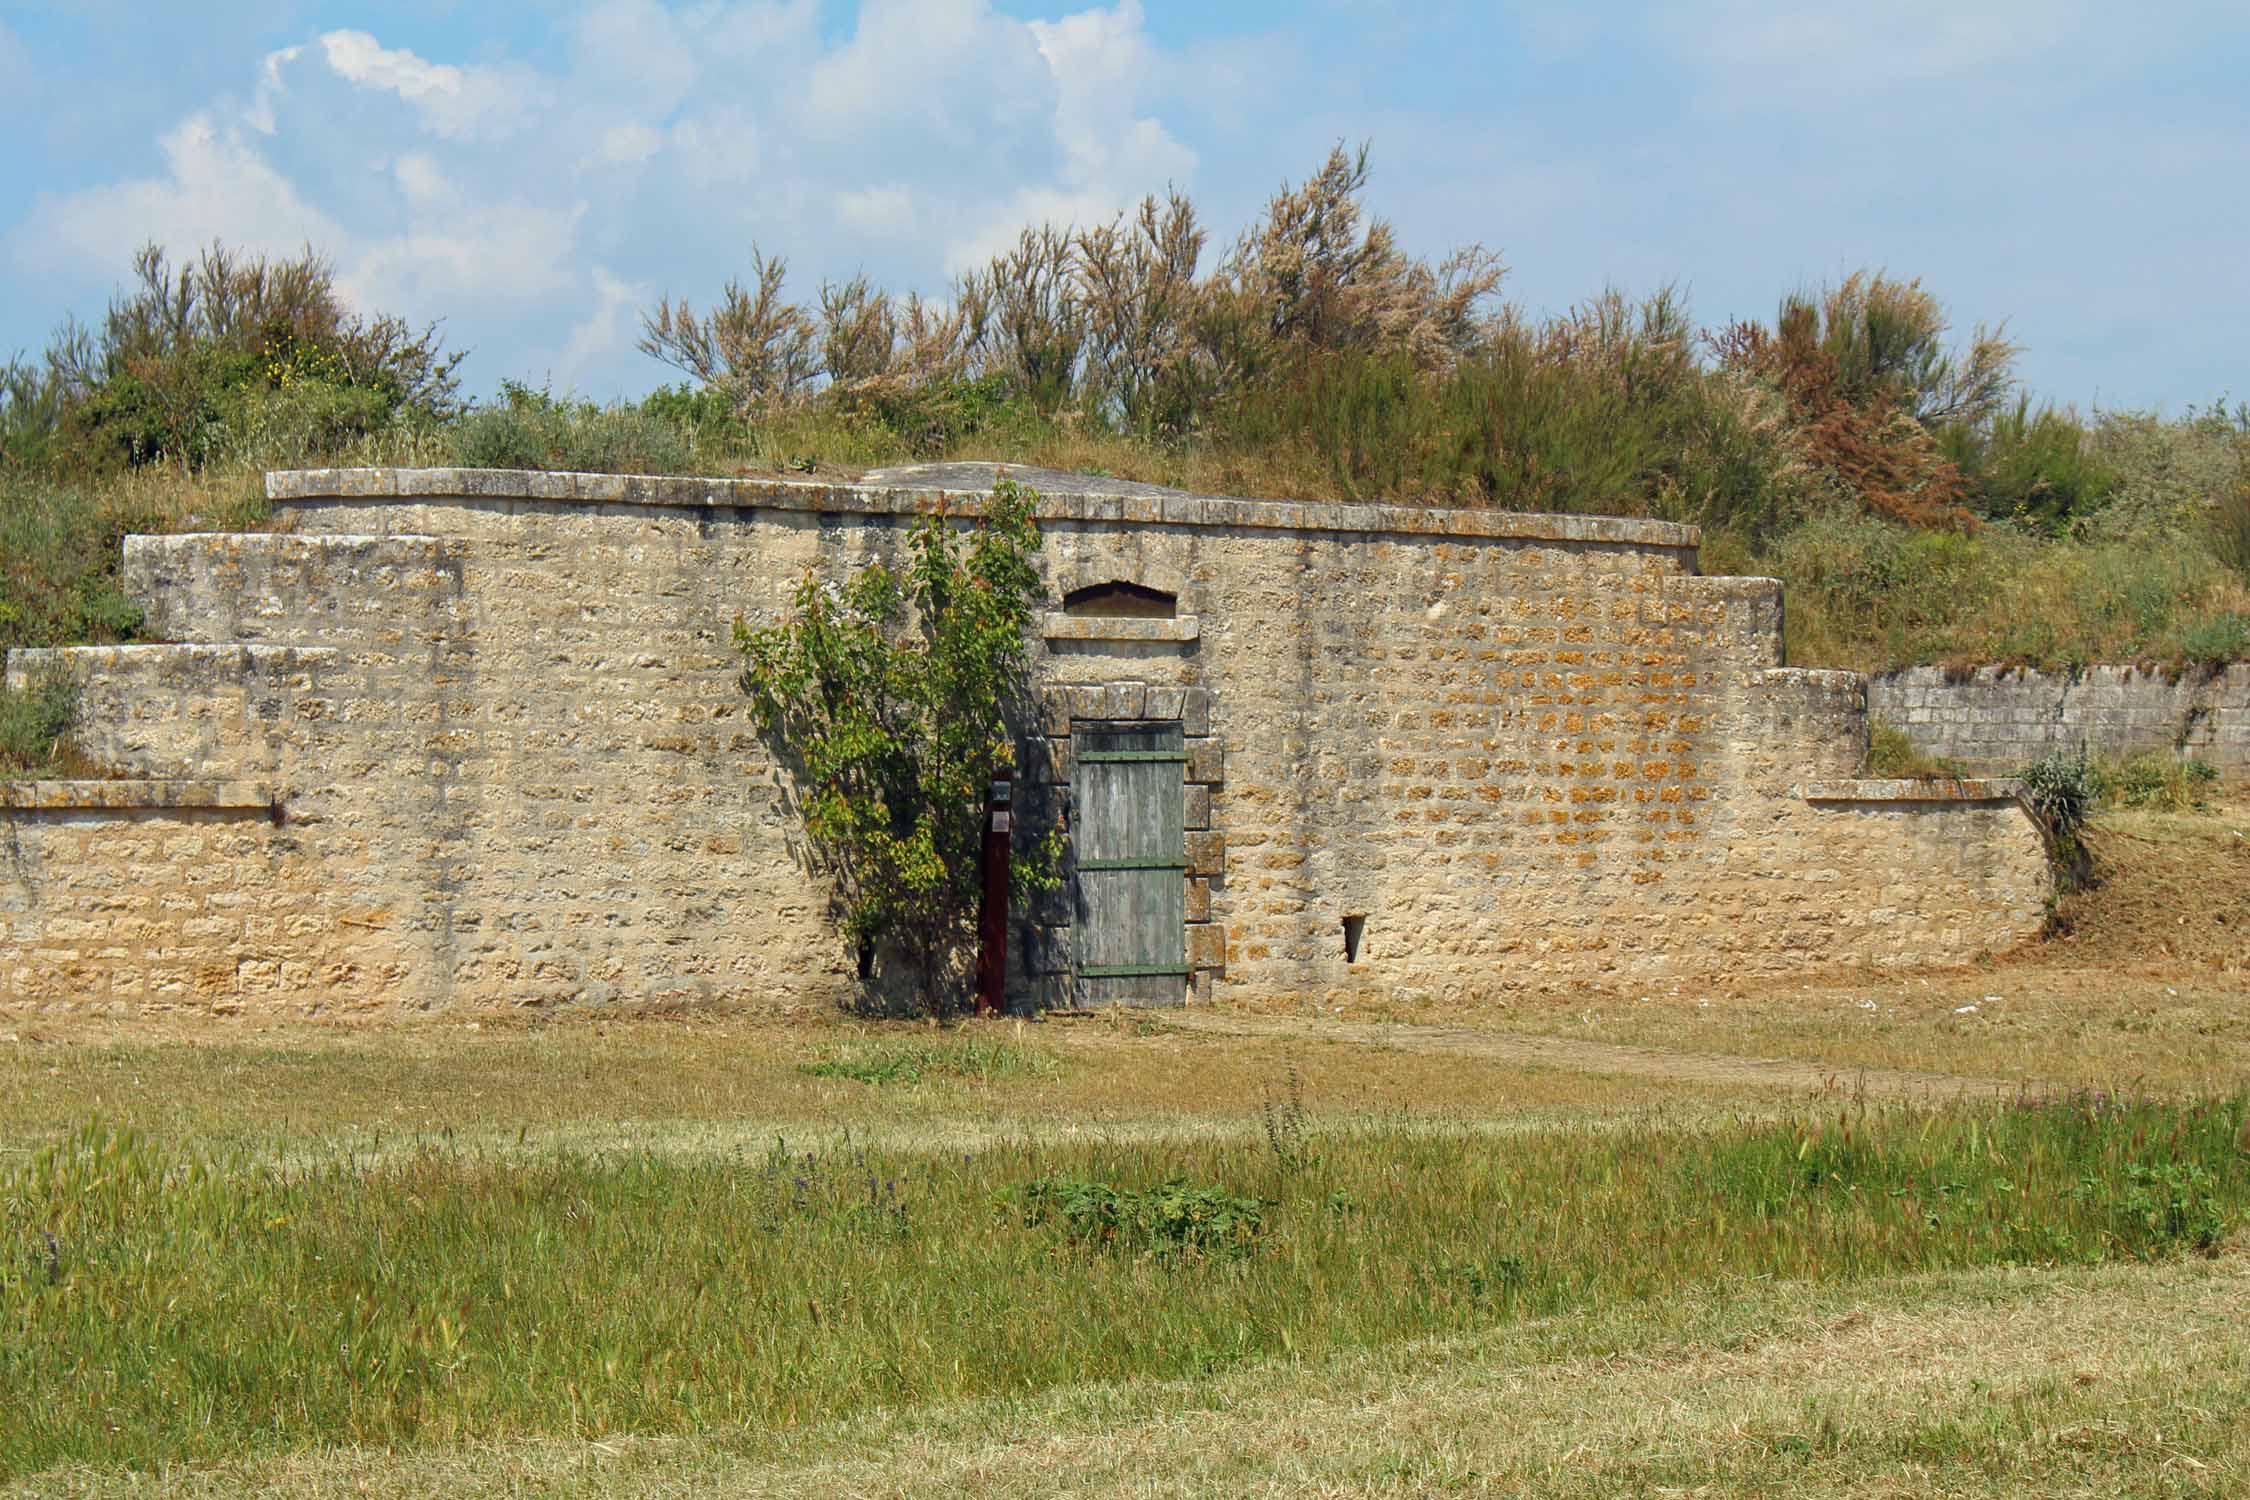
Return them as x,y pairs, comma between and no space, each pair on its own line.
964,489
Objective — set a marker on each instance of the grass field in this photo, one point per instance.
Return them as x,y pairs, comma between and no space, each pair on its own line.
2113,1381
1738,1239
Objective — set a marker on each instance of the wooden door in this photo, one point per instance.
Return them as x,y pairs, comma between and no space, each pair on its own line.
1130,894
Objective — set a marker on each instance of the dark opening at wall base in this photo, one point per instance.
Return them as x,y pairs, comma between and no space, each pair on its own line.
1355,931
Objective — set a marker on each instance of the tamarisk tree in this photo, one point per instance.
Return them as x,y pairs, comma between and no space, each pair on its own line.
890,698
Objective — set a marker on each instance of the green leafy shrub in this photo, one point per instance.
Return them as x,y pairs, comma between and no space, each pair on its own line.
2040,468
2230,519
496,437
689,406
2063,790
893,697
929,419
1875,596
300,424
222,353
59,556
2169,470
1173,1218
622,440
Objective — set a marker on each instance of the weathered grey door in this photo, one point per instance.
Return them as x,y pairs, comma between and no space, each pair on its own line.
1130,897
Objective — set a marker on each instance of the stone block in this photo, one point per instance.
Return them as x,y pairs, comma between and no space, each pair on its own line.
1207,945
1207,853
1195,711
1206,761
1199,899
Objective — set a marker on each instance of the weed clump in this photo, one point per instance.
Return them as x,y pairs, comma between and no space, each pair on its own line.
35,721
2158,780
1892,754
1175,1217
2062,792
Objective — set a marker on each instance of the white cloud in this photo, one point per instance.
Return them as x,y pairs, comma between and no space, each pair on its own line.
952,66
1104,66
609,331
272,84
631,142
534,209
452,101
888,207
216,186
462,247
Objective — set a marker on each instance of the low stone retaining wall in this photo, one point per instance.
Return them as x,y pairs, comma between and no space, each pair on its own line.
2000,718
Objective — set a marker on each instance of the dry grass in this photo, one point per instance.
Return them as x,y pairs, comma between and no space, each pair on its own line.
2119,1381
693,1085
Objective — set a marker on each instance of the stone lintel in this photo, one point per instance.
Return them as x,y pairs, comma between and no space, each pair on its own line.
1914,789
1094,628
99,796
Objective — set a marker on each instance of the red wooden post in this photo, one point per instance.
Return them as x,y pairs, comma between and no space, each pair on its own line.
992,920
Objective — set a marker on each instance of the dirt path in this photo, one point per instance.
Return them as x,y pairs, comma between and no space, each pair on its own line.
1521,1050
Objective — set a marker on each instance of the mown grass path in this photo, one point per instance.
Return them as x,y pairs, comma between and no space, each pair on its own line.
1611,1058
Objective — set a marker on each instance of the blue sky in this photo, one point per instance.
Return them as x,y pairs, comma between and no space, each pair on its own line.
536,174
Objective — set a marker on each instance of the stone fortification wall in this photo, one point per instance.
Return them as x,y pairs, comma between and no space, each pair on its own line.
2001,719
504,757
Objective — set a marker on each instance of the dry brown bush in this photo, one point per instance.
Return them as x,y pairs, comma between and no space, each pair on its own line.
754,346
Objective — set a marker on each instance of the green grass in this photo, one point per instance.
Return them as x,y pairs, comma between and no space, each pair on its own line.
35,723
1873,596
1892,754
159,1304
968,1058
2118,1380
2158,780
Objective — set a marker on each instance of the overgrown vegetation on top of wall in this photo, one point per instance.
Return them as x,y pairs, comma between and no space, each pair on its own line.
1920,505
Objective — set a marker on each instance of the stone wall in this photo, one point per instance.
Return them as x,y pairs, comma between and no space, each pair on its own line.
506,759
161,894
2001,719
